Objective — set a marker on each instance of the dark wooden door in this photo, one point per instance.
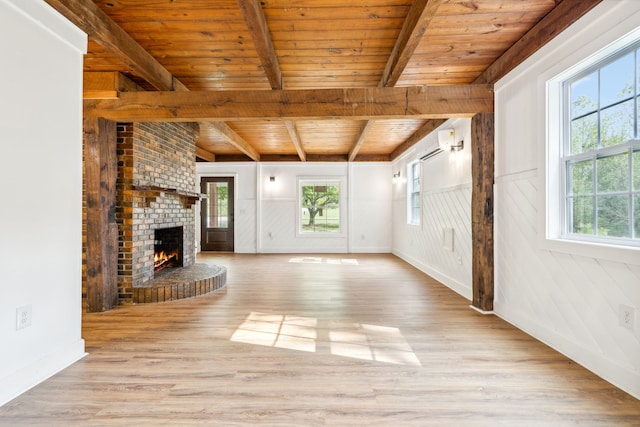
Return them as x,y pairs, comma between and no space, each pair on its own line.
216,214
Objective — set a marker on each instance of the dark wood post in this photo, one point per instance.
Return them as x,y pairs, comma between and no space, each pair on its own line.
100,165
482,170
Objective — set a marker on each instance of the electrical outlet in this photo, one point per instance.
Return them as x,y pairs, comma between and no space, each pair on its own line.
626,317
23,317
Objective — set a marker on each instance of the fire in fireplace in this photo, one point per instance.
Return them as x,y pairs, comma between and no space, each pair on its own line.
167,249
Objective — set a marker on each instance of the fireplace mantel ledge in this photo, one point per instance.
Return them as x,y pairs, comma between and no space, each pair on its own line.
153,191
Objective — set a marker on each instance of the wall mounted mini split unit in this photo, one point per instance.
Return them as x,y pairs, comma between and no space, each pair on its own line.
446,139
446,142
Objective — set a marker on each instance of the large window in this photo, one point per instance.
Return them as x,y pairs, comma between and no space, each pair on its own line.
319,207
413,193
601,150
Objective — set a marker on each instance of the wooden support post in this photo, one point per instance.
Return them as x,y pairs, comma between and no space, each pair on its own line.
482,170
100,161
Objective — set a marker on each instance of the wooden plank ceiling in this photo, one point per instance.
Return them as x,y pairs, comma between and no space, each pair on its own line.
181,50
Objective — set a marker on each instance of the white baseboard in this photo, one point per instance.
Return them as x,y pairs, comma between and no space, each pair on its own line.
479,310
449,282
623,378
22,380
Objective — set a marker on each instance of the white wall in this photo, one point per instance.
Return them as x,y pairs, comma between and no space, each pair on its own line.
40,192
266,211
446,204
568,300
370,223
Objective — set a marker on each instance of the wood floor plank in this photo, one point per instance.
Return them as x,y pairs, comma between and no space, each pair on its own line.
317,340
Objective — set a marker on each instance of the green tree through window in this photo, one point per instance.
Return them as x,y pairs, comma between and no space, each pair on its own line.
320,207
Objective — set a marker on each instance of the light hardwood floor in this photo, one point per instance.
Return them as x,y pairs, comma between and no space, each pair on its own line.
335,340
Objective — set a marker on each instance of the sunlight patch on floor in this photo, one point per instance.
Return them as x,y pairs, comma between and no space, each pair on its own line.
373,342
358,341
319,260
282,331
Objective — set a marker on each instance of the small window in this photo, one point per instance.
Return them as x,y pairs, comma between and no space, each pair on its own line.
601,151
413,193
319,207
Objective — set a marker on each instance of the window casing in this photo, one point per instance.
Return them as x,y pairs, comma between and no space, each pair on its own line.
413,193
600,151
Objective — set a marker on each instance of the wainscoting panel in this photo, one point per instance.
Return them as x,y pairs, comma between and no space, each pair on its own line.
568,301
444,211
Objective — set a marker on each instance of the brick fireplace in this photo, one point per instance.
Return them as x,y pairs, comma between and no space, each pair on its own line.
155,191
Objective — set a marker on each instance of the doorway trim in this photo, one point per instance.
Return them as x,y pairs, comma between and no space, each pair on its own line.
198,207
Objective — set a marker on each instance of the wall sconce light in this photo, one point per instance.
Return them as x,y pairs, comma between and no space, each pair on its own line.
396,177
447,140
272,179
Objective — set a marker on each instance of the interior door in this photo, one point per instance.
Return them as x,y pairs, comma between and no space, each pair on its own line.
216,213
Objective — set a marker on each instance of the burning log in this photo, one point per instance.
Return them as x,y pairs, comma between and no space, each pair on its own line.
162,261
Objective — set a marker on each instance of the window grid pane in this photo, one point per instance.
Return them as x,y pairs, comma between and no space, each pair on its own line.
613,216
584,133
613,173
617,124
616,80
581,178
581,215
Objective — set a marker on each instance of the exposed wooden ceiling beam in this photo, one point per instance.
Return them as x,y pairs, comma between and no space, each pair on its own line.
295,138
87,16
257,24
309,104
414,27
100,85
106,85
366,128
204,154
556,21
424,130
233,138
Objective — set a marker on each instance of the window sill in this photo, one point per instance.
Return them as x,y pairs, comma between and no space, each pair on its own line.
340,235
615,253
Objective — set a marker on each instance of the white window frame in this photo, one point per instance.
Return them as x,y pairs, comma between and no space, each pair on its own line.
342,205
414,212
555,238
625,148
